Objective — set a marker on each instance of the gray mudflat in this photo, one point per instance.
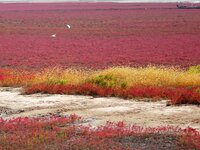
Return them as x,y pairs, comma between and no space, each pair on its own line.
97,111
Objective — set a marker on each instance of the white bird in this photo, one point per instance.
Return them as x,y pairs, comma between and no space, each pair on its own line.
68,26
54,35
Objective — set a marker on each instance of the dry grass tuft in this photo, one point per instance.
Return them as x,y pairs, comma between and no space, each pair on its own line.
122,77
150,76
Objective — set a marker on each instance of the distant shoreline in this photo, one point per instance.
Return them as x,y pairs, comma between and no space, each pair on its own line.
93,1
35,2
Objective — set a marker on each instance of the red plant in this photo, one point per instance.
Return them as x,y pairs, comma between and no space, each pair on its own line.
4,73
158,35
1,77
178,95
66,133
193,141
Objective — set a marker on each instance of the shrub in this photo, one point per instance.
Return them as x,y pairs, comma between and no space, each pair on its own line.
194,69
108,81
104,80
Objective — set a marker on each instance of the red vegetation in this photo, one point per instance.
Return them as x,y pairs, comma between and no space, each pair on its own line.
66,133
13,78
179,95
101,35
4,73
1,77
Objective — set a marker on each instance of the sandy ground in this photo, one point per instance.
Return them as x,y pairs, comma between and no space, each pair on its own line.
97,111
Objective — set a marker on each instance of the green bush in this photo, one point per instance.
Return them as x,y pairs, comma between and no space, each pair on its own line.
124,85
194,69
198,90
59,82
109,81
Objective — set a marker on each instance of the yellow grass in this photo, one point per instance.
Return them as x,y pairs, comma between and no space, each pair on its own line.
153,76
114,77
16,78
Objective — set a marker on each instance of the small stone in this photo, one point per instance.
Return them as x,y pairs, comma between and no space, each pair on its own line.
168,103
21,110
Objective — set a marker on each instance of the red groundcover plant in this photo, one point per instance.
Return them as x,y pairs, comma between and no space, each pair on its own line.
98,37
4,73
1,77
178,95
68,133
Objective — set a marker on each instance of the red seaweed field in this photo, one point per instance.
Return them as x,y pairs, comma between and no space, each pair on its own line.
101,35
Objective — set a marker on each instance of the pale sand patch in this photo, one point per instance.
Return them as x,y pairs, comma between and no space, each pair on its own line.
97,111
112,109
